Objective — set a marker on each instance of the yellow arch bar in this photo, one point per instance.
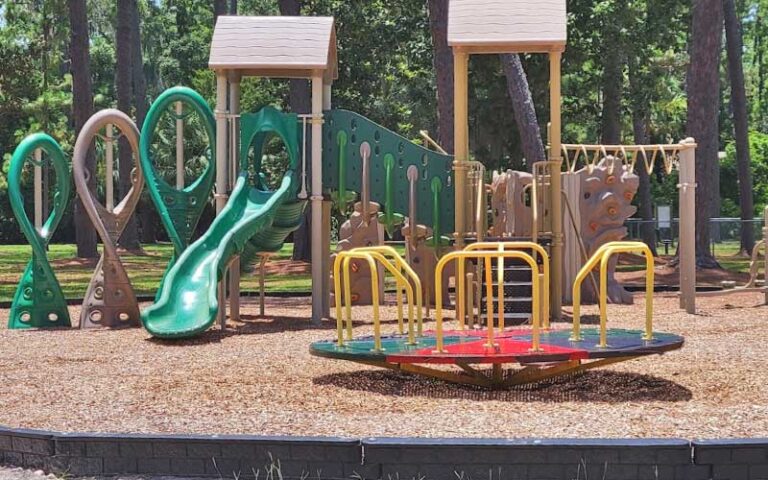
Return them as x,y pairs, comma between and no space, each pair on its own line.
535,247
487,256
602,256
372,256
392,254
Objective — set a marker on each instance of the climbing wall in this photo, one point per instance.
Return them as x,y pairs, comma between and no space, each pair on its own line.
394,177
602,202
356,232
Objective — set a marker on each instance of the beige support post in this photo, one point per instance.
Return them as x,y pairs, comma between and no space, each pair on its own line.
262,274
179,146
319,277
221,172
556,200
38,190
327,205
687,245
234,165
461,137
110,167
572,258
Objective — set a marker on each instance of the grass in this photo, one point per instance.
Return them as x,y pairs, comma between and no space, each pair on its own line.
146,270
726,253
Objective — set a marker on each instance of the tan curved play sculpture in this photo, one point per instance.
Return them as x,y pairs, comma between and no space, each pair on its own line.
109,300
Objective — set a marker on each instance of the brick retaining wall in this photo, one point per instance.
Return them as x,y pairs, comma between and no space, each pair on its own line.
375,458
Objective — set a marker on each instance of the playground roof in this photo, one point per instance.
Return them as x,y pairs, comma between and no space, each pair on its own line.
507,26
278,47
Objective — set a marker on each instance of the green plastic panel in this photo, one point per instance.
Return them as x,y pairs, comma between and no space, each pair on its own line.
39,301
344,132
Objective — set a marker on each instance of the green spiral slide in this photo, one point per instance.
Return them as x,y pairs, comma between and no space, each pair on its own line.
254,217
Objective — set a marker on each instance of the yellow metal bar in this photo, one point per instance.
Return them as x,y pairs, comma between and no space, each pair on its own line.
376,256
545,264
461,138
470,300
460,281
602,256
348,297
489,301
403,266
556,211
488,256
338,299
348,255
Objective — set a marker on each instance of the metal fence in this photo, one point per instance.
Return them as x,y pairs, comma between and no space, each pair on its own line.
725,233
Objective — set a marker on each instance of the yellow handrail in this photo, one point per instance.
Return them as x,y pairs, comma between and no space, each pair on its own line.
460,285
602,256
392,254
344,257
544,277
372,255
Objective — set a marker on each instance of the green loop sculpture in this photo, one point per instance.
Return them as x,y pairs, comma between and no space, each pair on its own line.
180,210
39,301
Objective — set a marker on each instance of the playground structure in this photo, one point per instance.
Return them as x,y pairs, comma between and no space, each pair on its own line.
549,228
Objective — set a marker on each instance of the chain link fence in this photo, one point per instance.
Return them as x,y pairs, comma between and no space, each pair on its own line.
724,233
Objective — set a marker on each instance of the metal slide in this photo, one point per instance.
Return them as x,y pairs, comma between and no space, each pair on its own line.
187,303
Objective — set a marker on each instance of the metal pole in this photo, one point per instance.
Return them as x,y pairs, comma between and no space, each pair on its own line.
179,146
234,165
555,187
221,173
687,246
110,165
38,190
461,136
318,252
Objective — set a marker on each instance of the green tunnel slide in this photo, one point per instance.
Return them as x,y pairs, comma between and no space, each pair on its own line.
254,217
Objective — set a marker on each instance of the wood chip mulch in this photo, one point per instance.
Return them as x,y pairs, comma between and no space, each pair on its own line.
258,378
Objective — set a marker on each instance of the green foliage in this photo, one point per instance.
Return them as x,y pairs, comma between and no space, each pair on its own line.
385,73
729,188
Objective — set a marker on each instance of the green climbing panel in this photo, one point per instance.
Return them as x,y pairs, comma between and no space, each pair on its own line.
39,301
180,210
344,132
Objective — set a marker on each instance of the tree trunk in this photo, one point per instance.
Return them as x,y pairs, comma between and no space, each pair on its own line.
130,238
219,8
145,207
613,83
734,43
300,101
233,7
703,107
645,202
443,64
524,110
82,109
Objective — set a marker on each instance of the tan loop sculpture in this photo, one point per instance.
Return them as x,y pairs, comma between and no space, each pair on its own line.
109,300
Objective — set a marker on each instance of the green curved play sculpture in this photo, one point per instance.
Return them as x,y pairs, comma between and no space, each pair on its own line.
39,301
179,210
187,303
